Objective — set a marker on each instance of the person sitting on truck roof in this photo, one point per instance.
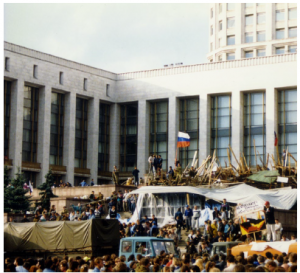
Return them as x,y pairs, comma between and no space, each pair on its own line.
113,213
138,229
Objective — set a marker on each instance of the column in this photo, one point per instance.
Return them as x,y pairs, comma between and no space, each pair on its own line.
204,127
114,142
69,136
43,132
173,128
271,122
93,136
236,125
143,136
16,125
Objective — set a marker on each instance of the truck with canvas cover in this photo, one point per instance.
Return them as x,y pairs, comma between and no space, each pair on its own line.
97,236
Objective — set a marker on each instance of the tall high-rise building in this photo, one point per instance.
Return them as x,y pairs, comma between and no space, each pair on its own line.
249,30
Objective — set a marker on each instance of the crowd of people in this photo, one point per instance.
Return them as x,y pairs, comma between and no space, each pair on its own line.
162,263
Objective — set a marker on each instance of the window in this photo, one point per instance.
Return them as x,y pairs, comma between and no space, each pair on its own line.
249,20
248,54
211,13
127,246
230,56
261,36
30,123
231,40
292,14
230,6
249,37
279,15
189,123
159,130
261,18
261,52
220,8
230,22
254,127
85,84
221,126
81,133
279,50
293,49
287,121
35,67
128,136
211,46
280,33
103,144
7,96
6,64
107,90
211,30
249,5
61,76
56,129
220,25
143,248
292,32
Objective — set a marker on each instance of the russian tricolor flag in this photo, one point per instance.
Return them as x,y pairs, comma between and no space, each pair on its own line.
183,140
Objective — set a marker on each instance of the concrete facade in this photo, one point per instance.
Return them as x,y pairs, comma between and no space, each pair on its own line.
267,74
221,28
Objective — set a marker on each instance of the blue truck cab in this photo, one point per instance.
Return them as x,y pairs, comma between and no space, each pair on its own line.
146,246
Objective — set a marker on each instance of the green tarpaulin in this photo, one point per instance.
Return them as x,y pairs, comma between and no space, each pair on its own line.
265,176
60,235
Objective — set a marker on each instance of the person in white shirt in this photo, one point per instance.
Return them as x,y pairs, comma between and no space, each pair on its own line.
278,228
72,216
125,206
195,218
150,161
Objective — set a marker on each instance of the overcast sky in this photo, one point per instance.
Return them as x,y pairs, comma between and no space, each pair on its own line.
114,37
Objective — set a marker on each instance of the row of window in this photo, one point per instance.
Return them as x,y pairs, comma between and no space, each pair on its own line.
60,79
221,128
259,53
279,14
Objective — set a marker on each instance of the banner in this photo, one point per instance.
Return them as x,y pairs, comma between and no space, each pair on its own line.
248,208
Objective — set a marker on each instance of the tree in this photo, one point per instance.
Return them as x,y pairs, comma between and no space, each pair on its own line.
46,191
15,199
6,177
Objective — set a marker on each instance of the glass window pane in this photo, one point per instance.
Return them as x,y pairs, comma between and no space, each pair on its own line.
256,119
280,33
223,122
230,56
261,52
292,49
292,14
230,6
261,18
231,40
249,54
261,36
290,117
280,50
249,37
279,15
249,20
292,32
230,22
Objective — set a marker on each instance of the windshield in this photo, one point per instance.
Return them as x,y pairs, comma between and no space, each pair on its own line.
168,247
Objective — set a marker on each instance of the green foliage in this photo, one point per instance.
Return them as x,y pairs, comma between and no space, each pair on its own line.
15,199
6,177
46,191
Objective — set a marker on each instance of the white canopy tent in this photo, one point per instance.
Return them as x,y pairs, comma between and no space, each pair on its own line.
283,198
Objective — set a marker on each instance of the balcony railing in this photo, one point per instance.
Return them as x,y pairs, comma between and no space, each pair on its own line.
31,165
82,171
8,162
57,168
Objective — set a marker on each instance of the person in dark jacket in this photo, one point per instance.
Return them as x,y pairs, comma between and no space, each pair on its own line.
179,214
113,213
190,248
270,221
135,173
138,229
188,214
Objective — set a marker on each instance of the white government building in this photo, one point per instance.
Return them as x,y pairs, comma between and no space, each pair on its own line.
80,121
